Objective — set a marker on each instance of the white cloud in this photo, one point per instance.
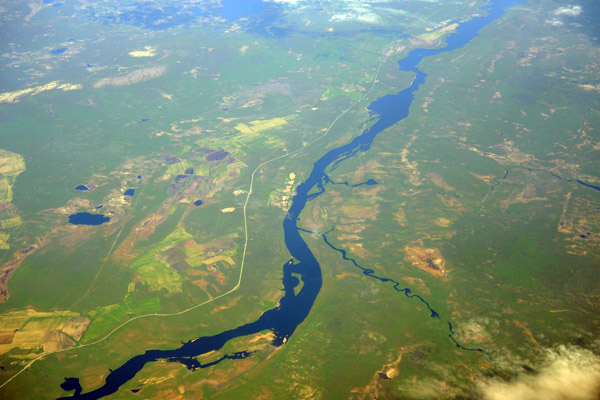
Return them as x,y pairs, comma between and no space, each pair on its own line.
356,11
568,373
570,11
366,17
554,22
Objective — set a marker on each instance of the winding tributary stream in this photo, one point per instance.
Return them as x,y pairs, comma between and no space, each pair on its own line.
294,308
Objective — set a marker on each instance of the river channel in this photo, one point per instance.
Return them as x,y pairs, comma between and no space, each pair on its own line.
294,308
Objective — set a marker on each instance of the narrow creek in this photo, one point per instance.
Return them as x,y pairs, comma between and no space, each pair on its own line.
294,308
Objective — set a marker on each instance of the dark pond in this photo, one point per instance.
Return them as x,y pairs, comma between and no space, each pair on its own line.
71,383
85,218
293,308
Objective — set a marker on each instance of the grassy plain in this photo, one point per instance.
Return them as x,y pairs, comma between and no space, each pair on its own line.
484,180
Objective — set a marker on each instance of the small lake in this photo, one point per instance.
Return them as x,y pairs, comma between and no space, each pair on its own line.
293,308
86,218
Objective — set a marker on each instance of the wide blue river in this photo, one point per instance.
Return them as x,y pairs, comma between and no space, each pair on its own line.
293,308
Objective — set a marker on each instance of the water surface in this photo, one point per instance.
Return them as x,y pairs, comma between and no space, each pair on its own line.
86,218
293,308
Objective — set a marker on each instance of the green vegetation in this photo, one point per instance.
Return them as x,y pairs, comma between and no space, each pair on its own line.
482,175
11,165
107,317
154,272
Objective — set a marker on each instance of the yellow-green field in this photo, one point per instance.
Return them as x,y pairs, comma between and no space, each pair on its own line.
11,165
258,126
33,330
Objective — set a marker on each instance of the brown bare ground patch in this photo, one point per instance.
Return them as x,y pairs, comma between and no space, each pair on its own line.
484,178
418,43
6,338
201,283
220,277
93,376
140,232
562,224
9,267
520,324
527,195
265,395
361,212
206,382
315,220
232,303
353,228
465,366
337,199
56,340
514,155
269,336
346,274
192,243
69,236
220,377
75,327
450,201
365,169
483,364
188,194
418,282
272,295
195,272
168,394
73,206
401,217
239,367
443,222
473,331
427,259
357,249
527,332
6,272
387,372
345,237
346,221
165,372
372,192
440,182
216,259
